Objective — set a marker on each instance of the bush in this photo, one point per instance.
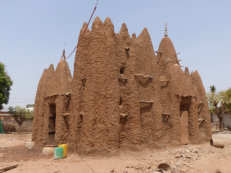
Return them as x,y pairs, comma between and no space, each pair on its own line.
20,115
8,128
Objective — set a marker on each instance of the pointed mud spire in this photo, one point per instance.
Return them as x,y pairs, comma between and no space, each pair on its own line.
195,74
124,30
109,25
63,77
144,34
84,27
196,78
166,47
83,30
166,30
97,22
42,80
51,68
63,55
187,71
49,75
108,21
145,38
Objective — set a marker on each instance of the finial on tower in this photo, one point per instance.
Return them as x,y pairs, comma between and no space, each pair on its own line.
166,30
63,55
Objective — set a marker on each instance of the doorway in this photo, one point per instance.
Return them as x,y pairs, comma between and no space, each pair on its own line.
51,124
184,127
184,118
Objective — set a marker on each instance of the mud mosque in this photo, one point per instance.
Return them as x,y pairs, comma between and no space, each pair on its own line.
122,95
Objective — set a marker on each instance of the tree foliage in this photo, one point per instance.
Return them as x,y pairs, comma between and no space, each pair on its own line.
20,115
219,103
29,105
5,86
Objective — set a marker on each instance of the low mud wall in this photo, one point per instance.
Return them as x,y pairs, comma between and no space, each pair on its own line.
26,126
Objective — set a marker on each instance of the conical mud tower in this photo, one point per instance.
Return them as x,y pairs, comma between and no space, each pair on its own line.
52,104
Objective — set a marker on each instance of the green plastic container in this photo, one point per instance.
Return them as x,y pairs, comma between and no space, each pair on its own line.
58,153
1,128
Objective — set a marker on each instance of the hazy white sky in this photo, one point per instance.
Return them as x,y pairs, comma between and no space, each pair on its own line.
34,33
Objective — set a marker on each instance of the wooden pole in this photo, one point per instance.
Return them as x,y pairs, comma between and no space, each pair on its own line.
8,168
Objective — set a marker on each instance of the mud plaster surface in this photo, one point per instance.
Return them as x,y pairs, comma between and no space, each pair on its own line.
123,94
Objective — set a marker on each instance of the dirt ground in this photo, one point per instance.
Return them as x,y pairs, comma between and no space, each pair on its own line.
188,158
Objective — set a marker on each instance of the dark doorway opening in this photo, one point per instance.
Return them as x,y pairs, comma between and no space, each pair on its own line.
51,124
122,69
184,117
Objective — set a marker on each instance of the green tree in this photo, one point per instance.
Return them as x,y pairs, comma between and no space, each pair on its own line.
29,105
228,95
20,115
5,85
219,103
